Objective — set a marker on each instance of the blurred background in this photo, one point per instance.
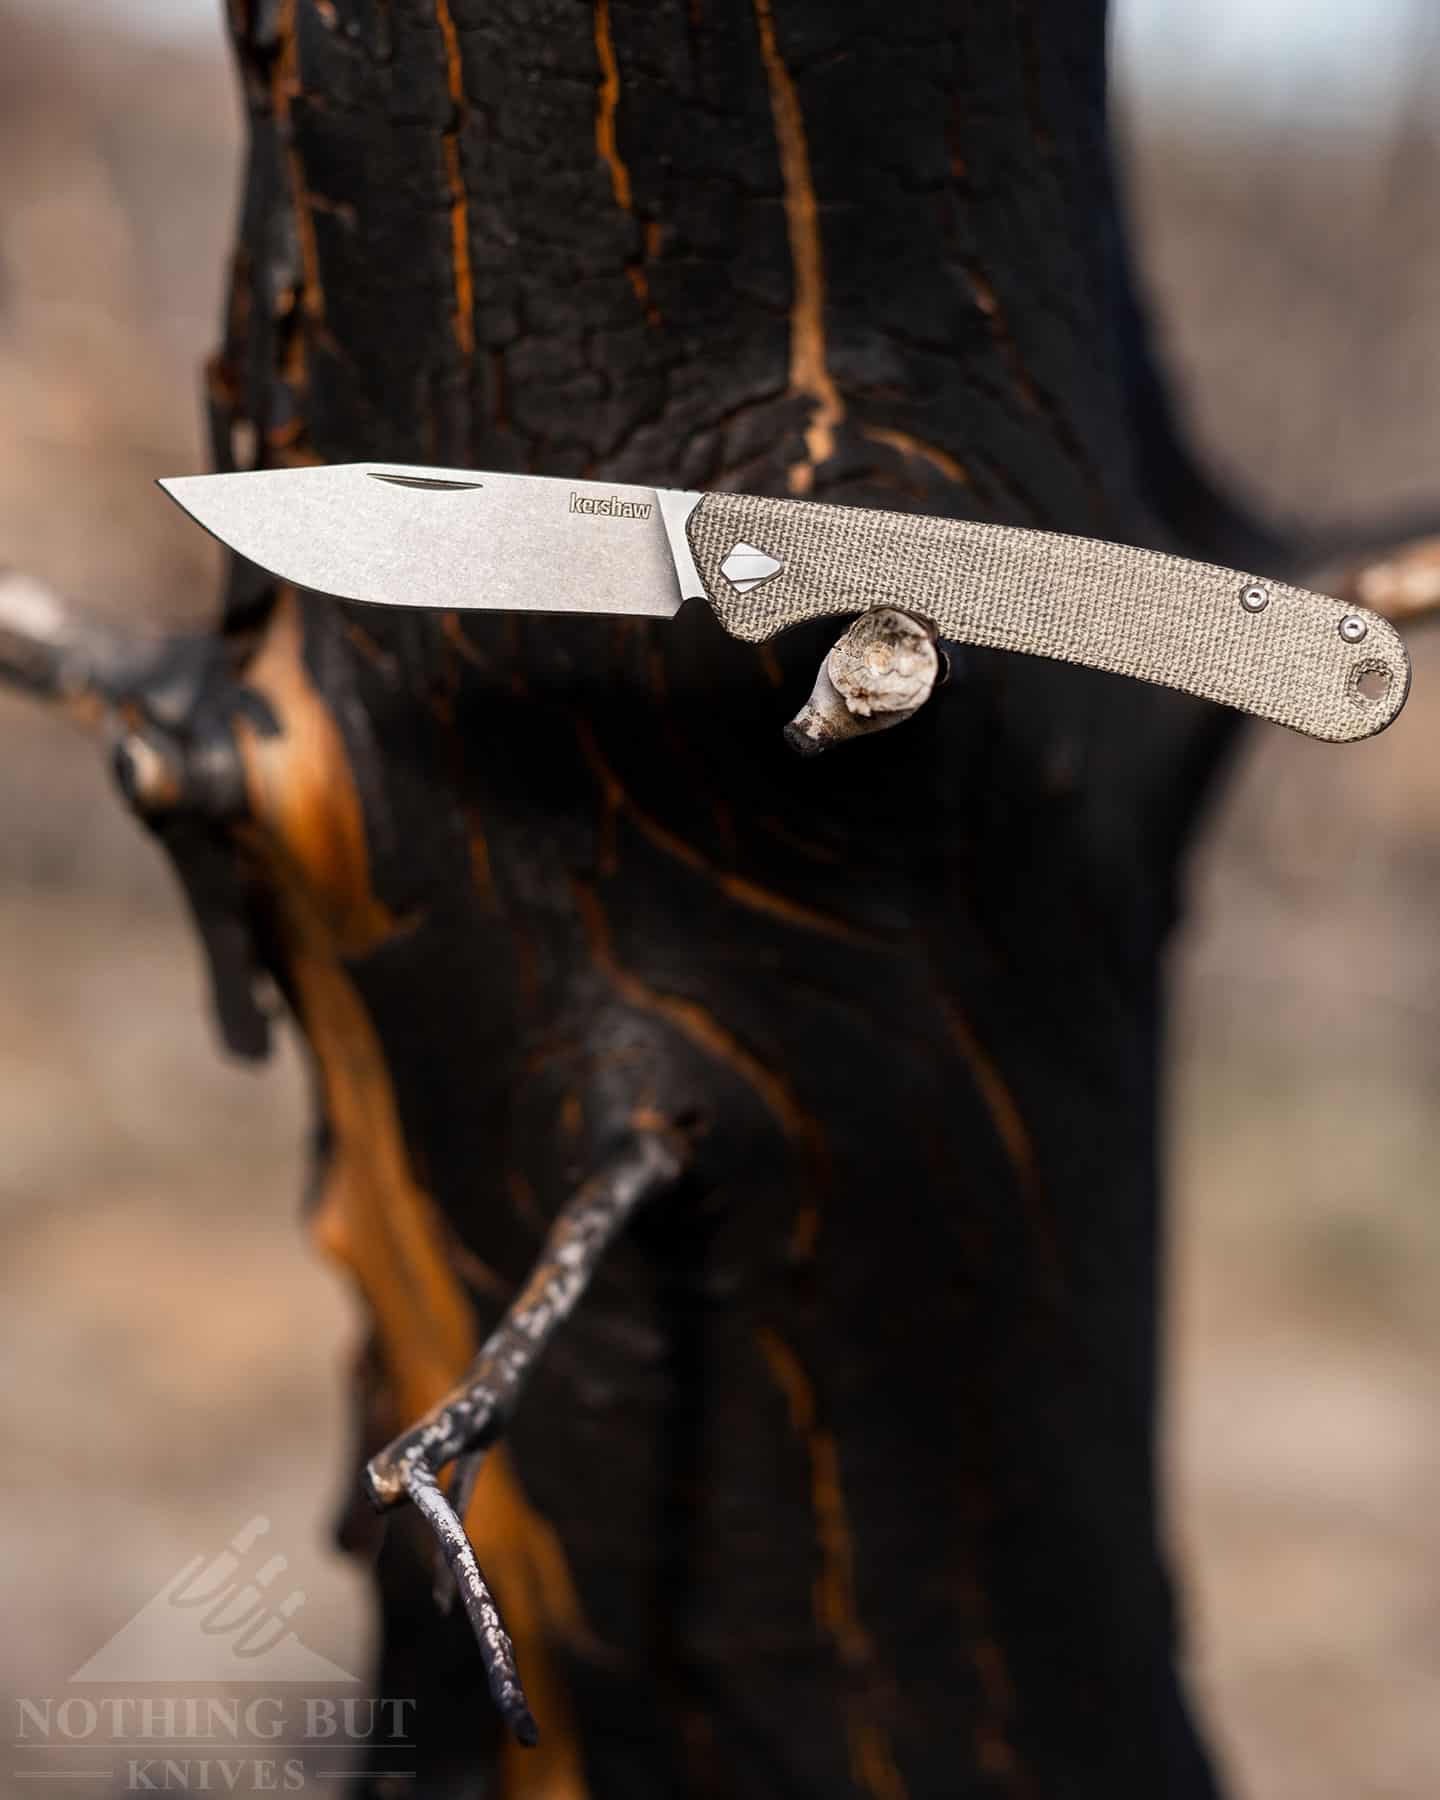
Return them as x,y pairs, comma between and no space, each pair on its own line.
174,1352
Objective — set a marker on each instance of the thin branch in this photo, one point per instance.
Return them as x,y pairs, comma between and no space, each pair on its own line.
497,1652
1401,582
56,652
473,1416
165,703
459,1495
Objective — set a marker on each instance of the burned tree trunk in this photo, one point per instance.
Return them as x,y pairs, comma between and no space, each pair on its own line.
842,1480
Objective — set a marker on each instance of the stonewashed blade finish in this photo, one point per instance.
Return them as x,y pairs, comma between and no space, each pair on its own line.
512,543
389,534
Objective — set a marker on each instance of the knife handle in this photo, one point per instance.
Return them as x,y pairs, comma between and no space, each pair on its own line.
1239,639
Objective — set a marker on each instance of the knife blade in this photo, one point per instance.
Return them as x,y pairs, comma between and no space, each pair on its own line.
392,534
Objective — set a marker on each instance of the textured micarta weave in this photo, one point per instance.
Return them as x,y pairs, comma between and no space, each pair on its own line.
1110,606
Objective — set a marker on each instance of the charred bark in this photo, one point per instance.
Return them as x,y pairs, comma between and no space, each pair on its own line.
850,1459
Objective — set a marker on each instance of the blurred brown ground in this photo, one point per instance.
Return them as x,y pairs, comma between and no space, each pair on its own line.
173,1352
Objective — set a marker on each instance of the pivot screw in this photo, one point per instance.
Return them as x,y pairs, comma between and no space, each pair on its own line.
1353,628
1255,598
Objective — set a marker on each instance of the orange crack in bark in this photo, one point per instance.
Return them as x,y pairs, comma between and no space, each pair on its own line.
993,1748
949,466
738,888
712,1039
809,372
988,302
872,1761
605,105
464,314
1010,1127
458,651
607,147
1000,1103
640,282
372,1215
284,88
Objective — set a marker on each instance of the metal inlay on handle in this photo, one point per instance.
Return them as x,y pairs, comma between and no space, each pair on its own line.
746,567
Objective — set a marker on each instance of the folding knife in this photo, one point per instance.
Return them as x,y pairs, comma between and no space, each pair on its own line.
390,534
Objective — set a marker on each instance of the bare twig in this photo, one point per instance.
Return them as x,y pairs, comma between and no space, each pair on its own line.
497,1652
55,652
165,702
881,672
472,1417
461,1492
1400,583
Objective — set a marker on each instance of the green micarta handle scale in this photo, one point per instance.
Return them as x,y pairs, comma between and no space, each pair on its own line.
1297,658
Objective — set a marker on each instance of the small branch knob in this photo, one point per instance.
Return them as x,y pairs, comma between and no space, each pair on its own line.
881,672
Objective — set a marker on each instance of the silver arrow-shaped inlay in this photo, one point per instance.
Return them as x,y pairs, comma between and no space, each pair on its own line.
746,567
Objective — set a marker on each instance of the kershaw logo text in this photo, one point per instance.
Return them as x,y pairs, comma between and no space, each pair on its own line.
610,506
